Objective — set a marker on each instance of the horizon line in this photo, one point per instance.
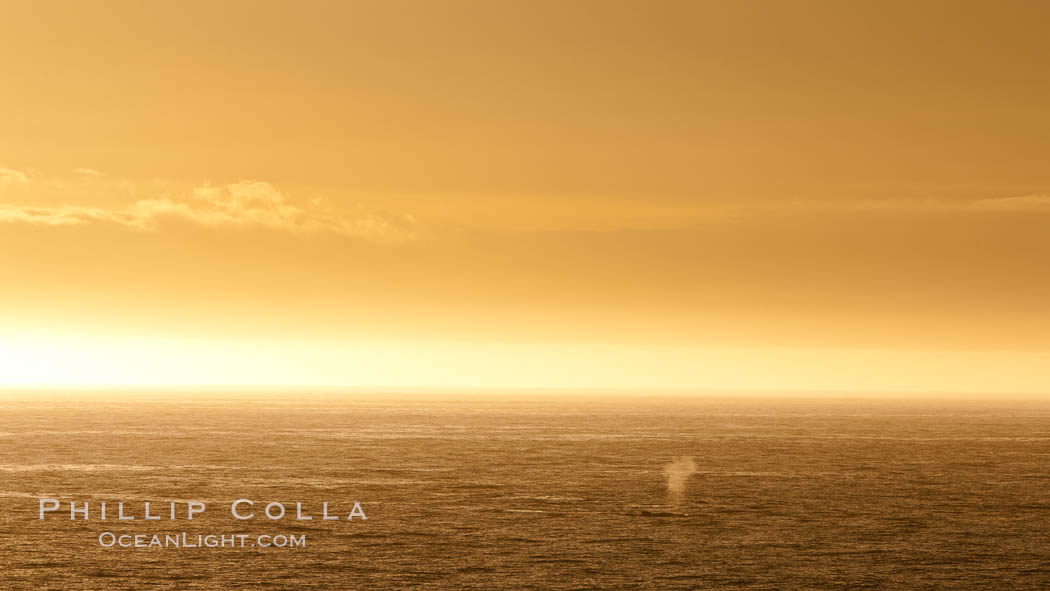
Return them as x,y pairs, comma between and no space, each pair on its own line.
205,388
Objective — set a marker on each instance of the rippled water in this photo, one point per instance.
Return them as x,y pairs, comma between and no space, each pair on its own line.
479,492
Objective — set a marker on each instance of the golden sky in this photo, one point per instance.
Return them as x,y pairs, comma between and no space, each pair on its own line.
792,195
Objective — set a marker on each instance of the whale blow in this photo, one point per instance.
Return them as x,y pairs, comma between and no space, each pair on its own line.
678,472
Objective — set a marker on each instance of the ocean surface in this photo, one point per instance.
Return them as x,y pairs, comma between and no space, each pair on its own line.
541,492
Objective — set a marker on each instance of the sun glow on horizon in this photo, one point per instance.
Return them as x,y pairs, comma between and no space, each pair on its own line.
43,361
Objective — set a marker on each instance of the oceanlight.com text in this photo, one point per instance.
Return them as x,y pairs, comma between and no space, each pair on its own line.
188,540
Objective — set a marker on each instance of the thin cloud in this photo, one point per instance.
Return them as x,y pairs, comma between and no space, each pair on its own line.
59,216
10,176
242,204
1021,203
1024,203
